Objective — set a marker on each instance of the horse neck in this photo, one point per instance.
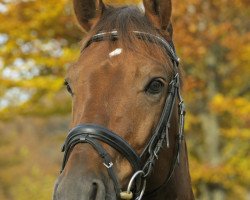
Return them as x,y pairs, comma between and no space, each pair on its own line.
179,186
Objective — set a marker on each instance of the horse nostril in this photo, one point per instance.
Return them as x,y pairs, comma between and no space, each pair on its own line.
97,191
93,193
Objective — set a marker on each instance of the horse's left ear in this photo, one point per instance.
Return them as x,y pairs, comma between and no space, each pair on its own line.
159,13
88,12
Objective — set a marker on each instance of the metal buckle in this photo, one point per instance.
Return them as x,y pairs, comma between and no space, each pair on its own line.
83,138
182,108
109,165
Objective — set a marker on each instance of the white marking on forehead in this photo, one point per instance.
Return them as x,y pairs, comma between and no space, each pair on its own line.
116,52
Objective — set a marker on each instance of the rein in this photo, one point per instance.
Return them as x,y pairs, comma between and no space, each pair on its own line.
92,133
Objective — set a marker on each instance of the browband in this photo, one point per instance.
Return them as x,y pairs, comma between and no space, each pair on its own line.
113,35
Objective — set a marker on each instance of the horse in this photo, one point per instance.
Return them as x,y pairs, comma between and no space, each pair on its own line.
126,138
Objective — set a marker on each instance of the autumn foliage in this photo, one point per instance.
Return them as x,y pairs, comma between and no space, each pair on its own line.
39,39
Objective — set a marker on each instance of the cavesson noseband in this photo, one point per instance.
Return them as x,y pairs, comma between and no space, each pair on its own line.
92,133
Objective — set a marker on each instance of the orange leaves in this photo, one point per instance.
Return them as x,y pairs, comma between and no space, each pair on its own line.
190,83
213,29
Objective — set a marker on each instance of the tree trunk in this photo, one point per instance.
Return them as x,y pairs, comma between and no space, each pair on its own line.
211,131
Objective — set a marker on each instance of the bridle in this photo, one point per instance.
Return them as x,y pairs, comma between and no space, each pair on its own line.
92,133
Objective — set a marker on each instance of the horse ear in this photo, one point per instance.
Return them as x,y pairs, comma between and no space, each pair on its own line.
88,12
158,12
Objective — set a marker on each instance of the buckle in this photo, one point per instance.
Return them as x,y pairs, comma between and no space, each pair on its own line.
182,108
83,138
108,165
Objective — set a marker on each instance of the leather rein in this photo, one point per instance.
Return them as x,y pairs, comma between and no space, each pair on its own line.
92,133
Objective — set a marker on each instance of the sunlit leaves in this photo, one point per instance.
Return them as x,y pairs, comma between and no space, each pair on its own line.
38,42
213,38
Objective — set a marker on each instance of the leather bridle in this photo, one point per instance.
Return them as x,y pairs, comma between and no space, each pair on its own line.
93,134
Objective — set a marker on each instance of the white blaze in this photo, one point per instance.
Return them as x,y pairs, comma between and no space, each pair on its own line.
115,52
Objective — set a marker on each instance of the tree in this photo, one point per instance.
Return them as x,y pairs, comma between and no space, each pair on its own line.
39,40
214,39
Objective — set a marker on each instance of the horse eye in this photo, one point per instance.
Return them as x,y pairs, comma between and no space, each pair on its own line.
68,87
154,87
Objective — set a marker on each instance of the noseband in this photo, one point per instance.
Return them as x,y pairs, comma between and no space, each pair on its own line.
93,134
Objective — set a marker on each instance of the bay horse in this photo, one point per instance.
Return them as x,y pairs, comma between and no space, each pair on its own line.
126,139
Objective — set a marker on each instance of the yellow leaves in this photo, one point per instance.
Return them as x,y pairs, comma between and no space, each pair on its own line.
34,187
239,133
245,52
238,107
191,121
50,83
24,151
233,119
218,100
232,174
122,2
36,169
207,172
70,55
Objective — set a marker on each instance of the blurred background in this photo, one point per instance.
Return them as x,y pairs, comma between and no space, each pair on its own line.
40,38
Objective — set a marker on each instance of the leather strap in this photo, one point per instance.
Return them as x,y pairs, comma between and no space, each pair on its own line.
165,116
113,36
103,134
84,138
91,133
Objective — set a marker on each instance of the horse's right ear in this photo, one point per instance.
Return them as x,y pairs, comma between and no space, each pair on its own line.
159,13
88,12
